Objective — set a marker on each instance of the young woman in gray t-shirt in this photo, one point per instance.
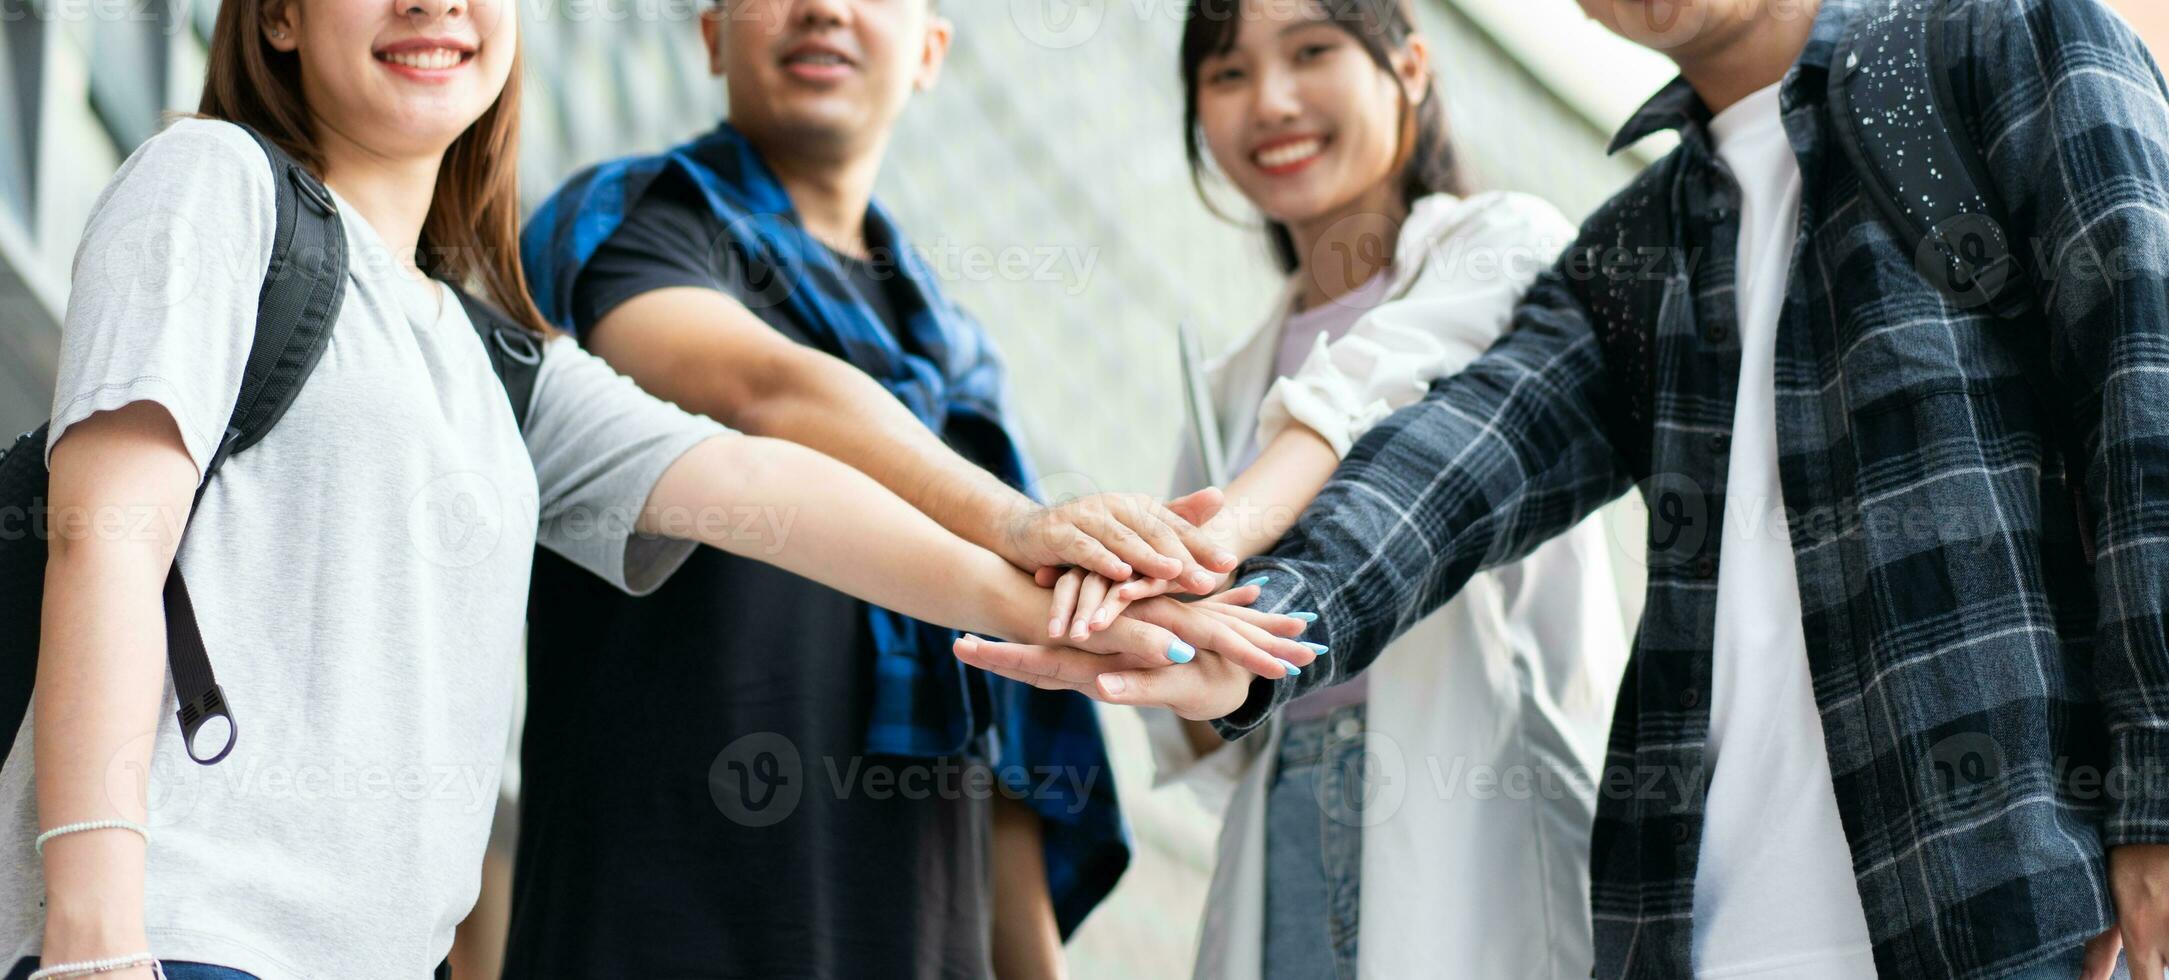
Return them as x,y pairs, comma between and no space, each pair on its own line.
360,575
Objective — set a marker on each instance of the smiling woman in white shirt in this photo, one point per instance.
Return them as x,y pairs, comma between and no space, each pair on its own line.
1435,810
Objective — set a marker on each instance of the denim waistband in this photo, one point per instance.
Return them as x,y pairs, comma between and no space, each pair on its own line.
1307,740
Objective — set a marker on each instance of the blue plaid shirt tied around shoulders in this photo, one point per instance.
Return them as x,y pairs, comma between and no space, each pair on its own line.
1047,746
1995,708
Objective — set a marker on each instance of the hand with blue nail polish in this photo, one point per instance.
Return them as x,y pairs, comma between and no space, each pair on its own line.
1085,602
1260,642
1196,658
1210,686
1161,631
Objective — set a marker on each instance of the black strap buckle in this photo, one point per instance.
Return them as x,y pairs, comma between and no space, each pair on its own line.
313,191
211,704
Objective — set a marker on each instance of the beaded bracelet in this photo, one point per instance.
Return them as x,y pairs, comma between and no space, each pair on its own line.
72,828
94,967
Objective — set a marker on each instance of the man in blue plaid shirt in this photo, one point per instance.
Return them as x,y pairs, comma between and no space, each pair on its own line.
1900,700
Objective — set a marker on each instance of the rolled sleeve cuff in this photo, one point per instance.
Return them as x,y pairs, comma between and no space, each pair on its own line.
1346,387
2137,788
1327,408
1283,590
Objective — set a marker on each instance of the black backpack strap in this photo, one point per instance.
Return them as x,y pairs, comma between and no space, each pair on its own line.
1899,121
1903,124
303,288
515,352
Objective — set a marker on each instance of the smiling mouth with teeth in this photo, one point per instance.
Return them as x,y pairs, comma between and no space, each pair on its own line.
428,59
1286,154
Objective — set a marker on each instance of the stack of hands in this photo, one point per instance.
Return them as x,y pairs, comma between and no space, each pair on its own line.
1115,566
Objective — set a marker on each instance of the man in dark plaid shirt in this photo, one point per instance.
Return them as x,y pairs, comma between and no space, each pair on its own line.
1994,708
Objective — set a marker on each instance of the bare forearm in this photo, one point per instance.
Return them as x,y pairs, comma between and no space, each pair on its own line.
835,525
711,355
1265,499
830,406
708,353
96,710
1027,940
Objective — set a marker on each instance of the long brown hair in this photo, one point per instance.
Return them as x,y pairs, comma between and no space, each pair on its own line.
1426,159
472,232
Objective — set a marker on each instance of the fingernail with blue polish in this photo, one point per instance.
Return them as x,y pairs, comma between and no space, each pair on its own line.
1308,617
1317,648
1292,669
1180,652
1260,580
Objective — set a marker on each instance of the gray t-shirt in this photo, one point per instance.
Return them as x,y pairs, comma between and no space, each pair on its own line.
360,575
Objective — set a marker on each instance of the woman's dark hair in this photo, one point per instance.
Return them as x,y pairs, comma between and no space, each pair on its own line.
1426,158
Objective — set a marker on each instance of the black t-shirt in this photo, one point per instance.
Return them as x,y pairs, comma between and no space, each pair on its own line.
656,839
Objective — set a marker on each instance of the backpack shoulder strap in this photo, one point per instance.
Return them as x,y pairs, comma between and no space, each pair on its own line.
299,302
1902,125
304,285
1902,120
515,352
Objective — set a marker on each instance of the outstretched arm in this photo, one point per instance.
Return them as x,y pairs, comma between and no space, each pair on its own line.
831,523
1475,260
707,352
1494,461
